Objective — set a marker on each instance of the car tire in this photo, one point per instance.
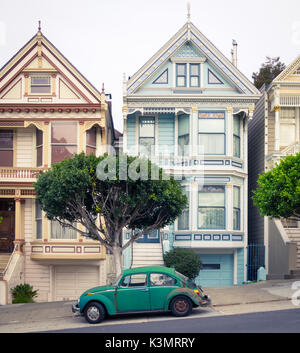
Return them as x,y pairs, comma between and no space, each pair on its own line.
181,306
94,313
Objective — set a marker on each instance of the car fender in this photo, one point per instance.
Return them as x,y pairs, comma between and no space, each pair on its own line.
109,305
181,291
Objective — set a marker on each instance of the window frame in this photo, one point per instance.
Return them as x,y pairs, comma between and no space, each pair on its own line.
238,209
181,76
212,207
152,151
236,137
213,132
38,219
186,210
193,76
87,145
9,149
40,85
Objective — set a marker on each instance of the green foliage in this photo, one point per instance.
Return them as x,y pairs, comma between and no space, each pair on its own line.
1,219
278,192
184,261
268,72
72,192
23,293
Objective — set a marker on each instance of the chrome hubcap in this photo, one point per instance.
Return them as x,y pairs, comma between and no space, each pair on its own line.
93,313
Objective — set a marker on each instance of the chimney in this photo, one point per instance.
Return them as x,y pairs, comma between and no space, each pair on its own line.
234,53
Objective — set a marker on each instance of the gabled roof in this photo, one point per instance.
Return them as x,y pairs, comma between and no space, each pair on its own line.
190,33
288,70
30,51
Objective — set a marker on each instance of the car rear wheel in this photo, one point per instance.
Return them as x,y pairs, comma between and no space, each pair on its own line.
94,313
181,306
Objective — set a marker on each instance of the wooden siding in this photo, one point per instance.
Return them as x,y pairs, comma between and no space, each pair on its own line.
256,165
36,275
24,147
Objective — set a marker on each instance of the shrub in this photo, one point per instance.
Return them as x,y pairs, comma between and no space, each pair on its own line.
23,293
184,261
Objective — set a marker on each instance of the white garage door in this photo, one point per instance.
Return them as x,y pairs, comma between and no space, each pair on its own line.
71,281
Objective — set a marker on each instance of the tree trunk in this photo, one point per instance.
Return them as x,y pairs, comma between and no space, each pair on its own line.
117,255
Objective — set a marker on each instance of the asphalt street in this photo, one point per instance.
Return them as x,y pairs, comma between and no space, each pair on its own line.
282,321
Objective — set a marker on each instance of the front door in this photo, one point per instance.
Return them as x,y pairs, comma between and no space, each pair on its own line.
7,225
153,237
133,293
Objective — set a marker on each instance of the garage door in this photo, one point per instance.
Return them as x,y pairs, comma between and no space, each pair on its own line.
217,270
71,281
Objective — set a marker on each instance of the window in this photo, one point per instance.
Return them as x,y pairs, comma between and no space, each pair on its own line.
147,133
162,78
236,208
236,137
183,219
183,134
6,148
160,279
213,79
194,75
181,75
63,140
38,220
39,147
60,232
211,207
210,267
211,133
287,126
40,84
138,280
91,141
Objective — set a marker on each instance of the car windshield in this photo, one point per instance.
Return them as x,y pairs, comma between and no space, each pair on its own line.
189,283
116,282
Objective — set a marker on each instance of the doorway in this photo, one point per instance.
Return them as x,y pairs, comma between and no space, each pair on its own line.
7,226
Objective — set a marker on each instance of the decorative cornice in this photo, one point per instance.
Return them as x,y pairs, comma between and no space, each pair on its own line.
43,108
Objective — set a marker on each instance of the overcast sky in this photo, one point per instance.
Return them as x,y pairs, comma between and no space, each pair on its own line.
104,39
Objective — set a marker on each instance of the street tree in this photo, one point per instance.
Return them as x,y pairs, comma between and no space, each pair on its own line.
268,71
278,191
107,194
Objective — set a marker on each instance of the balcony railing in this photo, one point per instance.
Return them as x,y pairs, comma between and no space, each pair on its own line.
7,173
276,157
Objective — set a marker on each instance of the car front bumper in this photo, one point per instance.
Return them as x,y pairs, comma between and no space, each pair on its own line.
205,301
75,309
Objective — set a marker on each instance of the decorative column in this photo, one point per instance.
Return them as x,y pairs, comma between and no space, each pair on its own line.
125,113
46,144
19,233
277,119
229,206
194,131
229,131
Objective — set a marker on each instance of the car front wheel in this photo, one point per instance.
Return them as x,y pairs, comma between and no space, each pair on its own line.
181,306
94,313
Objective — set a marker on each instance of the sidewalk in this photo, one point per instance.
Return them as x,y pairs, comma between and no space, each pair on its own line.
237,297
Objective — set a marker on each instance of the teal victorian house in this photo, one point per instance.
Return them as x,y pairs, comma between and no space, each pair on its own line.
188,109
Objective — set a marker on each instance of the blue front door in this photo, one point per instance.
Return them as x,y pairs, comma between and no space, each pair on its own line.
153,237
217,270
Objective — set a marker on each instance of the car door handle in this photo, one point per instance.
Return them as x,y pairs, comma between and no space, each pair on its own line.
145,290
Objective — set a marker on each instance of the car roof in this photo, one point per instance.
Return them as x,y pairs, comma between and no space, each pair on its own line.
166,270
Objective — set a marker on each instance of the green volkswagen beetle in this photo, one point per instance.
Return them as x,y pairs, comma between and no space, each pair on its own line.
143,289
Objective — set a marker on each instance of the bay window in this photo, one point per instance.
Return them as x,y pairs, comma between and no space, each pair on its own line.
183,219
211,207
91,141
6,148
236,208
146,135
39,147
183,134
236,137
60,232
38,220
211,133
63,140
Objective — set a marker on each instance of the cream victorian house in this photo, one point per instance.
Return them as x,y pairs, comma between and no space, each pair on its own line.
274,133
48,112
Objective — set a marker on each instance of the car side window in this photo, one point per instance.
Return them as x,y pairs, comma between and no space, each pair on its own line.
137,280
160,279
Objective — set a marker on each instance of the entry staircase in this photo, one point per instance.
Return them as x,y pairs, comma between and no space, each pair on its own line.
4,258
147,254
294,236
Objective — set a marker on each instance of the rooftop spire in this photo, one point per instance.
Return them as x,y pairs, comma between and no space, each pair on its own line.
39,27
189,12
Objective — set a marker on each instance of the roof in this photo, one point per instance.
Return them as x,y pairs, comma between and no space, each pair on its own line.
149,269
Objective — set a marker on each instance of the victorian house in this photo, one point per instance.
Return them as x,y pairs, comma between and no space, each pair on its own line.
188,109
48,112
274,133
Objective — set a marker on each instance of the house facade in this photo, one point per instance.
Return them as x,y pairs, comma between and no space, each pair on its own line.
274,133
48,112
188,109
